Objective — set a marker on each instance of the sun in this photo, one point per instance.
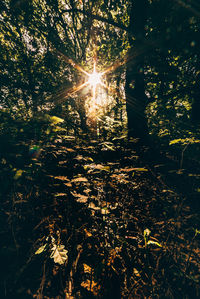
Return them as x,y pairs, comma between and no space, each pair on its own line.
94,78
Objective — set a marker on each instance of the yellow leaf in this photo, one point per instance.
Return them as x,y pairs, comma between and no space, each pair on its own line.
18,174
150,242
55,120
41,249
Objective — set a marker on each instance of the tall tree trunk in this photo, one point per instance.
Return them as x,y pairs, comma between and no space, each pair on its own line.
195,115
136,99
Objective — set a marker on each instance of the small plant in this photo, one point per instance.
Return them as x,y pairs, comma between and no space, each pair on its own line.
148,241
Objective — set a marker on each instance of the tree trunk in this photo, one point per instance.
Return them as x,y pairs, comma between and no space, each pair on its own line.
195,116
136,99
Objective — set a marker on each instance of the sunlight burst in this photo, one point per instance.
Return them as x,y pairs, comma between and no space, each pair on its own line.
94,79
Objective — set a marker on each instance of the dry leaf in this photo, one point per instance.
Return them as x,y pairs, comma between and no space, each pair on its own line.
62,178
68,184
136,272
70,150
87,269
59,254
88,234
91,286
79,180
80,198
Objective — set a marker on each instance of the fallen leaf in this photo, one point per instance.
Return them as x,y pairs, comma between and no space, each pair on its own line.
61,178
79,180
88,234
70,150
80,198
59,254
136,272
87,269
91,286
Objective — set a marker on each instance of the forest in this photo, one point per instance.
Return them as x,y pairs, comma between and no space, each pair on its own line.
100,149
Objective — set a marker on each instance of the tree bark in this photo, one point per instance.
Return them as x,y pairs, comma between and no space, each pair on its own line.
136,99
195,115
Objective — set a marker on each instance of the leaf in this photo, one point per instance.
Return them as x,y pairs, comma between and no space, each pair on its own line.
68,184
136,272
105,211
87,269
175,141
150,242
87,191
111,148
60,194
93,206
91,286
80,198
140,169
18,174
133,169
70,150
87,233
41,249
66,137
79,180
59,254
55,120
197,232
61,178
127,169
99,167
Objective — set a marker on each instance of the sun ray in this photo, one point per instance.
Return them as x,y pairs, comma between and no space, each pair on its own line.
69,92
74,64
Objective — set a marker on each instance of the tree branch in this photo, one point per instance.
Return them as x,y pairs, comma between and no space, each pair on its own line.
99,18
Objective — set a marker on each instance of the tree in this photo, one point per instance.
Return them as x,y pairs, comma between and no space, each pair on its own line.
149,50
136,99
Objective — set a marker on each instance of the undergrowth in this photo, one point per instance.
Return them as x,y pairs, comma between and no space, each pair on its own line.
89,219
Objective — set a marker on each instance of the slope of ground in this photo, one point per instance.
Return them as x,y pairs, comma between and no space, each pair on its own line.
97,220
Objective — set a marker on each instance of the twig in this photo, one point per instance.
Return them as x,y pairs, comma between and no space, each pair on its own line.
40,290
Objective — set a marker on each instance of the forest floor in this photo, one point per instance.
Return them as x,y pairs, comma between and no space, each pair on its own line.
98,220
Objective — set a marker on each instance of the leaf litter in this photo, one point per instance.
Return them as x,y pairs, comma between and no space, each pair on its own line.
113,231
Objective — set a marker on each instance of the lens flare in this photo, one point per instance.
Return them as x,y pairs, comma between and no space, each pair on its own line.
94,79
